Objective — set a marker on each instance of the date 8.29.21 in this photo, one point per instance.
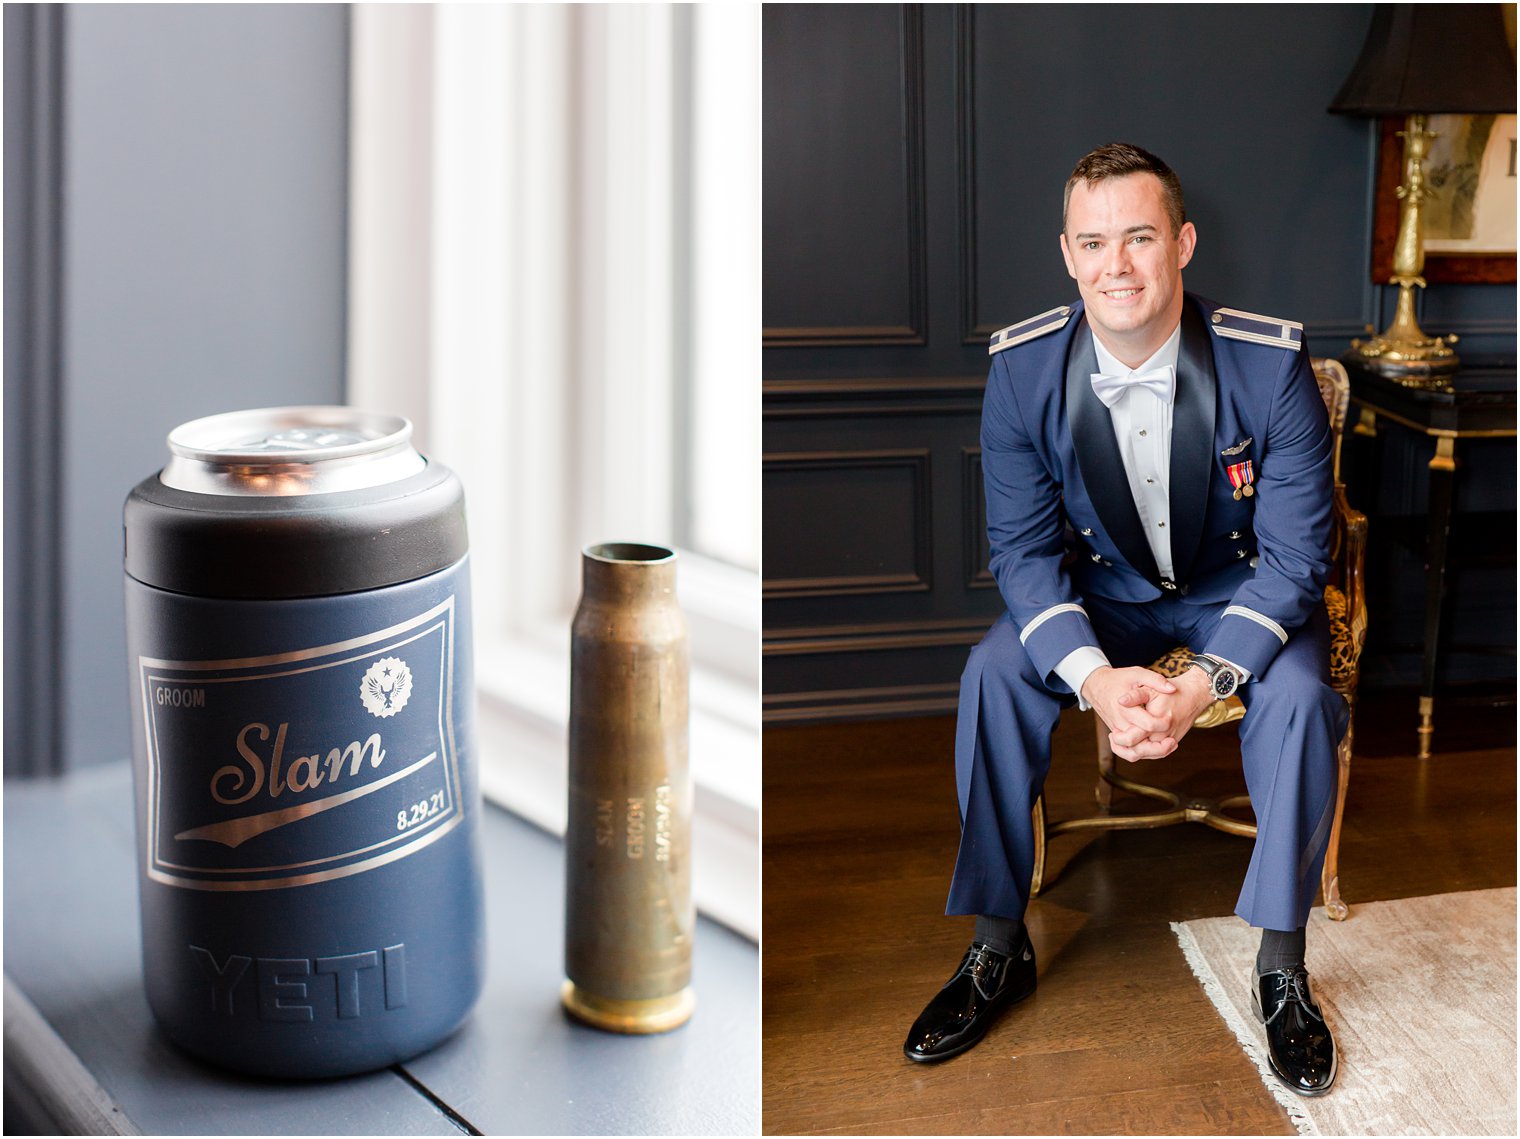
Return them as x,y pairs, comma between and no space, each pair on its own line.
419,812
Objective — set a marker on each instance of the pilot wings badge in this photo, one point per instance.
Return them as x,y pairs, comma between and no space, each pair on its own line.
1238,448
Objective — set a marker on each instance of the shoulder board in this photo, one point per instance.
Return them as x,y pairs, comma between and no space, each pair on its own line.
1237,325
1029,329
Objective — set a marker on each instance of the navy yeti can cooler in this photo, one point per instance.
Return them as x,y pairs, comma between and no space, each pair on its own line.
298,634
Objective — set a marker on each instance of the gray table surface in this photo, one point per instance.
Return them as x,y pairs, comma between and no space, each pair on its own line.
519,1066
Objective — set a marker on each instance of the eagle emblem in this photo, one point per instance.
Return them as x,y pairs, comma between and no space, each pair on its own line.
386,687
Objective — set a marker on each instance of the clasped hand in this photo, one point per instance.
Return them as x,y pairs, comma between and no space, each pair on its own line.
1147,714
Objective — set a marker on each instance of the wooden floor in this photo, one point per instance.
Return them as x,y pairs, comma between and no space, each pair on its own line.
859,842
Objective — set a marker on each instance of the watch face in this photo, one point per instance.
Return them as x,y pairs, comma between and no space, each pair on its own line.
1225,683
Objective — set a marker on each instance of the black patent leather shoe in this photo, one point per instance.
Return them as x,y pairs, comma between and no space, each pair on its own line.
960,1013
1299,1045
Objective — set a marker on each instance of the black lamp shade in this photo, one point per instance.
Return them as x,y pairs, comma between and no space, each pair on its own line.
1432,59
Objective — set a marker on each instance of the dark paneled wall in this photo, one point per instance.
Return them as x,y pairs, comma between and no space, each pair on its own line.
913,165
176,219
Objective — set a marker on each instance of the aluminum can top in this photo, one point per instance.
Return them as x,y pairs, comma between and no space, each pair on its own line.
290,451
286,502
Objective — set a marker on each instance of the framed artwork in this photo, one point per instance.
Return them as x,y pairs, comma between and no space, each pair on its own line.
1469,211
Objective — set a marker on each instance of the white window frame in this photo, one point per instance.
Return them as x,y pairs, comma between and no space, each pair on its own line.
500,231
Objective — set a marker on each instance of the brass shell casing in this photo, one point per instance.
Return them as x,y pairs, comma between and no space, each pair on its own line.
628,910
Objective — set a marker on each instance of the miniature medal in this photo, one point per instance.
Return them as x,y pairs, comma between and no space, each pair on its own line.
1241,477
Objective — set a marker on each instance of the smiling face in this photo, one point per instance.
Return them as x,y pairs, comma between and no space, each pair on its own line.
1127,262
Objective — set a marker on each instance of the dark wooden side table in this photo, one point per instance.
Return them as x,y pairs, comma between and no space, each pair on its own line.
1477,402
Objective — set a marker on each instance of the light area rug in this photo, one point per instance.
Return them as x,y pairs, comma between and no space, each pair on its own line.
1420,994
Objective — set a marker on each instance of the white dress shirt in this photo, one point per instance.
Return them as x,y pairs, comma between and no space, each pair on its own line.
1142,425
1143,428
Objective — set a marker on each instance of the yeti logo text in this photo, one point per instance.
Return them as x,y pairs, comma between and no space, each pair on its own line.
386,687
296,988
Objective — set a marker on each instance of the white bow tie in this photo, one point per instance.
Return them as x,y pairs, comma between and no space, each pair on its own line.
1160,381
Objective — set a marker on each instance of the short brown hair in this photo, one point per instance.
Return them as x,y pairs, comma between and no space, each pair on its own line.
1117,159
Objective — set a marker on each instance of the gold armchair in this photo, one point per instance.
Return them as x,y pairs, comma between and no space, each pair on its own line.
1346,603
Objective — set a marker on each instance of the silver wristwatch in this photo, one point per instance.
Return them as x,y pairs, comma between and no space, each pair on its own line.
1224,678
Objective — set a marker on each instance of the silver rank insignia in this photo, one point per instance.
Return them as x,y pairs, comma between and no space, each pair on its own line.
1258,329
1035,326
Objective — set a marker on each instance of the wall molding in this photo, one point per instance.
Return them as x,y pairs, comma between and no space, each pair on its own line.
845,585
873,702
918,385
919,580
1345,332
916,332
965,152
1492,327
819,398
847,336
876,636
34,629
860,704
1344,328
973,529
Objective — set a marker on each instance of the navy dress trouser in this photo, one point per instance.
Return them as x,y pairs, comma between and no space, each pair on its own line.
1293,722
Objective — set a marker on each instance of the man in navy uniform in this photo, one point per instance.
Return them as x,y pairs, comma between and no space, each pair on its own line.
1187,448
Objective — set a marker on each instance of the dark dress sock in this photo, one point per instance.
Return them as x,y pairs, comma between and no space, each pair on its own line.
1279,949
1004,935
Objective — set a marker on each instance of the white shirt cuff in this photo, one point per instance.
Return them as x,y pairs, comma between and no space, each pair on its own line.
1077,665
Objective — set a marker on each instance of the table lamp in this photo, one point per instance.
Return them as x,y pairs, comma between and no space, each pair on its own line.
1419,60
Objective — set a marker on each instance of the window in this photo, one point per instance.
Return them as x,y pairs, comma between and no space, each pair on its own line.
554,272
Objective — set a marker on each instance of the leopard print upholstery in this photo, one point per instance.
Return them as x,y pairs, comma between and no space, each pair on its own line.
1342,650
1342,647
1174,663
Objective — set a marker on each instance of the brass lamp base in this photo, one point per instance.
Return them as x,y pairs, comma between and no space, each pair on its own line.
1422,363
1403,352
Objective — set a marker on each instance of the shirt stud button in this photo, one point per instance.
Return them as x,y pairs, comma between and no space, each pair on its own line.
1142,433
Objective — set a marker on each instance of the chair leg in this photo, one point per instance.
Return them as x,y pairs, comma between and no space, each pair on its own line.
1330,879
1039,847
1104,793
